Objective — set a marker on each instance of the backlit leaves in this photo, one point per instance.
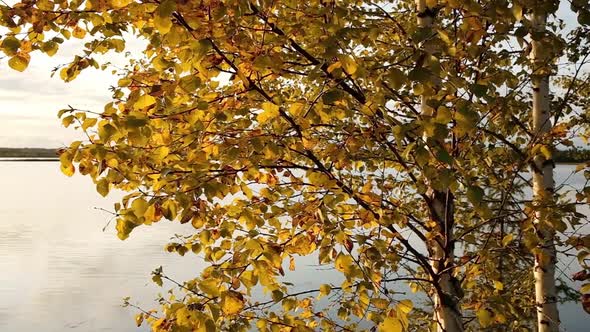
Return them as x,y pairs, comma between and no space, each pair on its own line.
231,303
279,131
144,101
269,112
390,324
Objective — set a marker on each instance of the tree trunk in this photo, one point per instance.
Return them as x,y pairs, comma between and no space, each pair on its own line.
447,311
447,293
543,187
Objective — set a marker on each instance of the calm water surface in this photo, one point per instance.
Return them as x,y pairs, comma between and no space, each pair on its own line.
59,271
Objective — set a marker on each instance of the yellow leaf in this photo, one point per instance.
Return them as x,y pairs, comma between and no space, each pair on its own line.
66,33
517,12
343,263
269,112
444,36
291,263
67,169
89,122
78,32
405,306
334,66
161,152
120,3
484,316
431,3
112,162
19,62
210,287
498,285
546,152
296,109
507,239
348,64
390,324
163,24
144,101
139,207
66,164
232,303
246,190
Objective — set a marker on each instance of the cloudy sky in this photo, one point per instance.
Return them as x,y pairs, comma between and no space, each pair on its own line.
29,100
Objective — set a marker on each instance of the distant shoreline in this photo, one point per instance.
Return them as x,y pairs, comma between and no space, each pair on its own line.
33,153
16,159
561,157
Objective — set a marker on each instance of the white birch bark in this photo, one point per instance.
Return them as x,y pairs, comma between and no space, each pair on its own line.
447,312
543,187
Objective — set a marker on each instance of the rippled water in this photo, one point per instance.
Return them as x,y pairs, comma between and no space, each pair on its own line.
59,271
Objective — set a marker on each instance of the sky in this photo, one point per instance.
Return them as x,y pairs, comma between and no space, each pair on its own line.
29,101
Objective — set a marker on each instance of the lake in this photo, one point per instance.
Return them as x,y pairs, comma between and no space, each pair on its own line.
61,272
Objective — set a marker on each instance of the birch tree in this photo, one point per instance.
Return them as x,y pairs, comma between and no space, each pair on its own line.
543,182
380,139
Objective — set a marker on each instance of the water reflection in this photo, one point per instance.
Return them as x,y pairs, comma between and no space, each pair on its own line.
60,271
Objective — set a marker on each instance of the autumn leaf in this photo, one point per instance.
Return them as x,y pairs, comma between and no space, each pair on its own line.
269,112
19,62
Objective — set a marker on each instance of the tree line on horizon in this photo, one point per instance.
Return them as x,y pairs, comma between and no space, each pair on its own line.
575,155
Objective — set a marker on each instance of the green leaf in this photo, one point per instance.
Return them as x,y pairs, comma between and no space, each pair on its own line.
479,90
475,195
106,131
444,156
102,187
584,17
50,48
10,45
166,8
277,295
